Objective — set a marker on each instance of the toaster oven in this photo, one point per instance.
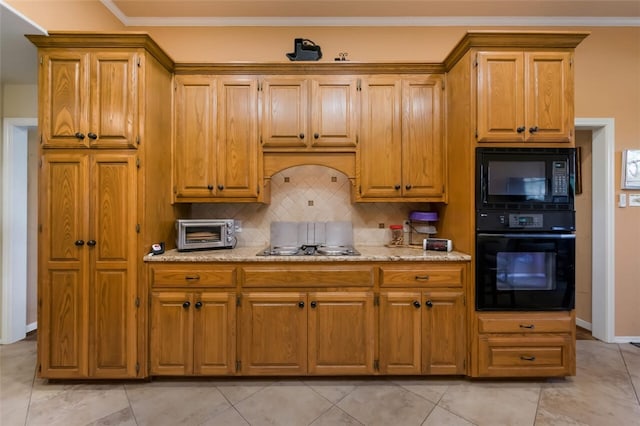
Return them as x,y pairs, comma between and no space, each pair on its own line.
205,234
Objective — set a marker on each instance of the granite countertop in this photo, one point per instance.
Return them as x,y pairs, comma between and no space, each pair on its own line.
367,253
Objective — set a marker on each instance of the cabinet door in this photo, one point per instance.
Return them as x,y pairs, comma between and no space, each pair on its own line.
341,327
443,333
171,337
64,99
195,137
381,149
113,265
500,97
400,333
274,333
214,334
284,112
237,155
334,116
63,319
549,93
114,100
422,137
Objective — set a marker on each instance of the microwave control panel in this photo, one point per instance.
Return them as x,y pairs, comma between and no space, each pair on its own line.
528,221
560,179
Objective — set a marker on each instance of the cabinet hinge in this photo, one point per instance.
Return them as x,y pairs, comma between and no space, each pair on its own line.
359,85
239,300
137,302
570,62
357,139
137,367
259,86
464,300
258,188
40,368
40,138
137,228
41,60
238,365
376,364
137,162
464,364
475,60
39,227
376,300
360,189
138,139
476,133
138,62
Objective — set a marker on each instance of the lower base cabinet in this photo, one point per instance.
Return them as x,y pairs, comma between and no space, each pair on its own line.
323,333
193,333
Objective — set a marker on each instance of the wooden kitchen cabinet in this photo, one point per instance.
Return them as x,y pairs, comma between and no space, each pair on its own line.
89,98
316,112
402,151
215,142
88,265
193,333
524,96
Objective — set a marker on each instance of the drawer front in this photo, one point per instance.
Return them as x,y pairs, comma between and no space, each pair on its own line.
308,276
422,276
533,356
543,322
193,276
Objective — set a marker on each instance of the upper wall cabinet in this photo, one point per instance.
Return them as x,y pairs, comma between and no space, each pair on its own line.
215,142
300,113
524,96
401,155
89,98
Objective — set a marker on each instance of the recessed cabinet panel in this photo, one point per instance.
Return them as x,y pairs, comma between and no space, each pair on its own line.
170,337
443,328
400,333
334,116
284,112
214,339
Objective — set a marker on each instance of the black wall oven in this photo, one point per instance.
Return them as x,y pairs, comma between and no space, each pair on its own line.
525,223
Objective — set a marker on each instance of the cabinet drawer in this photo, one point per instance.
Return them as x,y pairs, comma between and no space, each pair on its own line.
531,356
428,276
542,322
193,276
308,276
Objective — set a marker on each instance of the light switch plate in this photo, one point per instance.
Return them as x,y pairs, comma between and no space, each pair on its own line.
622,200
634,200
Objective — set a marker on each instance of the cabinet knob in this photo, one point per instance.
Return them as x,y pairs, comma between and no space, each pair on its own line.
314,304
529,326
429,303
301,135
416,304
198,304
79,135
91,243
300,304
397,187
92,136
408,186
210,187
186,304
533,129
220,187
79,243
520,129
316,136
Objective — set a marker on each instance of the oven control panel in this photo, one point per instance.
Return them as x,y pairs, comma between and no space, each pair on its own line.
528,221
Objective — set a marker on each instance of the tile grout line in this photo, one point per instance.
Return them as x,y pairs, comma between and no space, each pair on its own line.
626,366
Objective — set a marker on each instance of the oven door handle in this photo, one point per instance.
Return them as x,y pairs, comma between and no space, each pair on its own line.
554,236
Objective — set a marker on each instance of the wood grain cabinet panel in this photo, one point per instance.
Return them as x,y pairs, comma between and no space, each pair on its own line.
89,98
524,97
433,275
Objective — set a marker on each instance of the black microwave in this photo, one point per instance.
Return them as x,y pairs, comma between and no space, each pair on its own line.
525,179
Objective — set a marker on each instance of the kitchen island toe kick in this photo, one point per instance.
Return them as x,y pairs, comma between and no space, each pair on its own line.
230,312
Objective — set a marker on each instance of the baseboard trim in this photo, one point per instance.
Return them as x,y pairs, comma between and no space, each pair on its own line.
34,326
626,339
584,324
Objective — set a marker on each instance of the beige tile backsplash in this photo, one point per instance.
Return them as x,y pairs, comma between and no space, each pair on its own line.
311,193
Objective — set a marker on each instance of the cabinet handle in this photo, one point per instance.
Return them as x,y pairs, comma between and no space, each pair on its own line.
527,358
301,305
198,304
429,303
416,304
79,135
79,243
533,129
92,136
91,243
316,136
186,304
397,187
520,129
301,135
210,187
220,187
422,277
531,326
314,304
192,277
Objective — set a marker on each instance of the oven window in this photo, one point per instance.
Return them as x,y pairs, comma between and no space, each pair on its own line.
518,178
203,234
526,271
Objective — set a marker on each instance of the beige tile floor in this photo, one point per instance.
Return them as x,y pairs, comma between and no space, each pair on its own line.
604,392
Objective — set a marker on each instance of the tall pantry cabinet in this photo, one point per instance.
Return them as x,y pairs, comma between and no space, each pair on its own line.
104,123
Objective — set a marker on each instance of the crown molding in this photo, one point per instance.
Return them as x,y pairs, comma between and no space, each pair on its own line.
390,21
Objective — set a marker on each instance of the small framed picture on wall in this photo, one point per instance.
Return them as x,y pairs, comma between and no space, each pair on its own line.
631,169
